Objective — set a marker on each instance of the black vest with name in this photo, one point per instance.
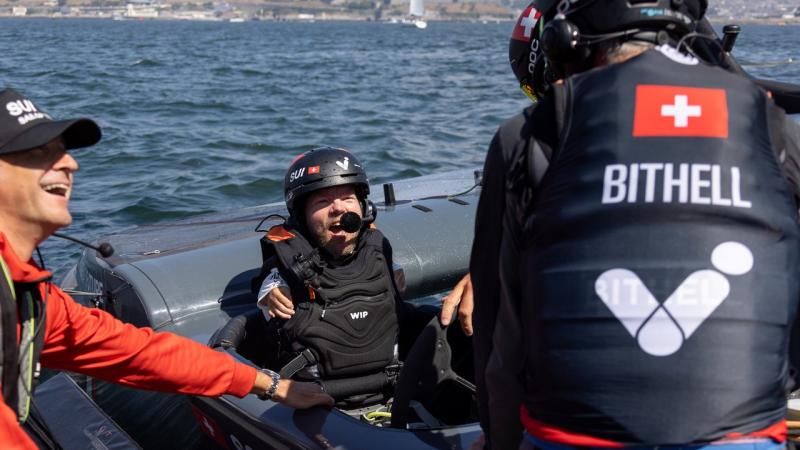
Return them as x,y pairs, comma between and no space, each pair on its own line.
345,312
659,267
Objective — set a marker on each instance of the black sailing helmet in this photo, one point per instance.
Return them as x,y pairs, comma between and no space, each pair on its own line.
525,52
550,32
321,168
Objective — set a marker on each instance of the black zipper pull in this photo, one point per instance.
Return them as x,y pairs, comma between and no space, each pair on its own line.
324,304
324,307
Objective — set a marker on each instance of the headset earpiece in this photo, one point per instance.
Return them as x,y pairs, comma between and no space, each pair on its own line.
370,212
561,41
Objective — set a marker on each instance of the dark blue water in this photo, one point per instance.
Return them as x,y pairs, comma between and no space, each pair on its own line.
201,117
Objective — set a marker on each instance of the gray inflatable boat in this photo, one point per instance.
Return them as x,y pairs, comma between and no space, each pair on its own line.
193,277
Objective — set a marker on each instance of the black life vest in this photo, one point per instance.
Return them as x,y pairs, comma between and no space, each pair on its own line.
345,313
659,267
20,360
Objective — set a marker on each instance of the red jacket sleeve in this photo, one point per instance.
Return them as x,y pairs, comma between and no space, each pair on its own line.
93,342
12,437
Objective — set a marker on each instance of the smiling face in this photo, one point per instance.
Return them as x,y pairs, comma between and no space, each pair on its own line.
35,186
323,210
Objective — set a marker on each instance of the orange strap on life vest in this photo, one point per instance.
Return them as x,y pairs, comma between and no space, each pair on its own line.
279,233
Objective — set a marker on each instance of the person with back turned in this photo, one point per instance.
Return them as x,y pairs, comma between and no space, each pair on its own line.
40,324
648,244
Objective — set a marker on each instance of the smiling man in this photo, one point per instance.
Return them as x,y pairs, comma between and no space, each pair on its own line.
328,289
39,323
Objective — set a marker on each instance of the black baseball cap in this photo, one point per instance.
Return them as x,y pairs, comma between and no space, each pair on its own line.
24,126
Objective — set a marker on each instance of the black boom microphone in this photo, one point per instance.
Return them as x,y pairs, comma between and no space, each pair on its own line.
350,222
104,249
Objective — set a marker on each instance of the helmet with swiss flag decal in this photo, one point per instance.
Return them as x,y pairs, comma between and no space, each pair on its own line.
321,168
525,52
552,33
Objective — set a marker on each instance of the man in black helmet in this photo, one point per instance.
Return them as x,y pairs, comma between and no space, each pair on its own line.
647,243
328,290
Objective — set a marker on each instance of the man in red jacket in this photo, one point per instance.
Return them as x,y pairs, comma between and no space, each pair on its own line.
39,323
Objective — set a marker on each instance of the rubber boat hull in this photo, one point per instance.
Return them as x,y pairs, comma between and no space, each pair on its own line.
191,276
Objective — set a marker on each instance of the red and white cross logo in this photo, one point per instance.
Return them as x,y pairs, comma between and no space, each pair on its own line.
529,21
686,111
681,110
526,23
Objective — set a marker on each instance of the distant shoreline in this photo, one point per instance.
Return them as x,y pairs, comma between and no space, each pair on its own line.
184,16
179,18
769,21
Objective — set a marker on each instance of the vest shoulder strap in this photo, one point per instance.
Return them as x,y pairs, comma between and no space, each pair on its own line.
32,312
538,161
274,244
298,262
539,155
19,360
561,100
8,339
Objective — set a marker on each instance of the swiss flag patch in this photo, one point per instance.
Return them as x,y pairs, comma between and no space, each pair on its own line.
680,111
313,170
526,24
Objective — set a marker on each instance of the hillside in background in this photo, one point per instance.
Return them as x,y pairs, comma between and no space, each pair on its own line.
722,10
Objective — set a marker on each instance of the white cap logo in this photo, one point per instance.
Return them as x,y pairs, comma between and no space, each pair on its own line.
25,111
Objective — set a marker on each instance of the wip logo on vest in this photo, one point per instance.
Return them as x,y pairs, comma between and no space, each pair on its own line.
663,111
661,328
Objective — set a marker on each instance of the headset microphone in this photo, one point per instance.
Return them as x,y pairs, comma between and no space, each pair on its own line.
350,222
104,249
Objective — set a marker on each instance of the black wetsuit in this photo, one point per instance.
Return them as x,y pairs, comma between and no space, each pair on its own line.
498,294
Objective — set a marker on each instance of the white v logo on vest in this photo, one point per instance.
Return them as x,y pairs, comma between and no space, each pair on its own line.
661,328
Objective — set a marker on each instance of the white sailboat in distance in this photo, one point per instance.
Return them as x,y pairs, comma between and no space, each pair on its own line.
416,9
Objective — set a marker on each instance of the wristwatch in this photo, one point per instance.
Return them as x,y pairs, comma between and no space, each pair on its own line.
267,395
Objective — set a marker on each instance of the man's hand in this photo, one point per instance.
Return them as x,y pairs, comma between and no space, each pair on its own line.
462,298
295,394
279,303
301,395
